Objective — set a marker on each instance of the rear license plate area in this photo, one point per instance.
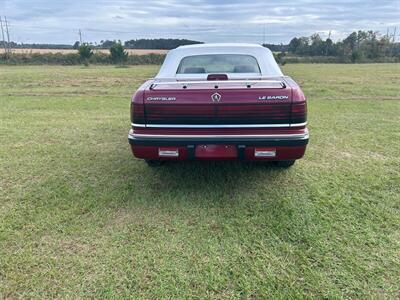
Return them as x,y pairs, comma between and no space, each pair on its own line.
216,151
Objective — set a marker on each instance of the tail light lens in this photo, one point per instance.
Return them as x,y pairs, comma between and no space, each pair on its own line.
137,113
299,107
137,108
217,77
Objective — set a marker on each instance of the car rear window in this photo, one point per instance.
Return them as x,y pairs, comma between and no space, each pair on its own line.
218,63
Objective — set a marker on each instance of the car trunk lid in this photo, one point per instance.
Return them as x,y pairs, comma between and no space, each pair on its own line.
218,102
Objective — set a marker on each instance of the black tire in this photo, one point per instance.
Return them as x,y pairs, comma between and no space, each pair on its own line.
285,163
154,163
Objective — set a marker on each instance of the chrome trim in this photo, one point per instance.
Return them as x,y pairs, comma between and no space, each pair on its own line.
298,124
218,126
246,83
295,136
138,125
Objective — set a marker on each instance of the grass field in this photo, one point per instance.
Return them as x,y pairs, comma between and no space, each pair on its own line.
80,217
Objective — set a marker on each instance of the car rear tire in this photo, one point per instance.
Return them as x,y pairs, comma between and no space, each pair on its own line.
285,163
154,163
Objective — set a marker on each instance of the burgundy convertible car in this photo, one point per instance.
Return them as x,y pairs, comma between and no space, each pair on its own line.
219,102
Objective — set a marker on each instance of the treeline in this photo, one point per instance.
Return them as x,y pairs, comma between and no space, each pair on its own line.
35,46
361,46
75,59
162,44
358,47
158,44
85,55
277,47
167,44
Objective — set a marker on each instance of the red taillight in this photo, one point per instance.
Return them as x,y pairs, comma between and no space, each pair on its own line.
299,107
298,95
137,108
137,113
217,77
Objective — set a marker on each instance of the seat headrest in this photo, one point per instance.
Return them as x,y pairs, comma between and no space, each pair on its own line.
194,70
244,69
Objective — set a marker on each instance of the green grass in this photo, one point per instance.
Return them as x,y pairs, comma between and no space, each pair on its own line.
80,217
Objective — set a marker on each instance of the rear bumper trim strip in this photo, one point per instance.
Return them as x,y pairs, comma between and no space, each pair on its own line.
138,125
296,136
296,139
218,126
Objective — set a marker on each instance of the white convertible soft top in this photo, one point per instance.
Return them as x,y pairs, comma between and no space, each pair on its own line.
265,59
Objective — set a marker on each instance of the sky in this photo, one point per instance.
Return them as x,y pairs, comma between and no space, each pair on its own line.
255,21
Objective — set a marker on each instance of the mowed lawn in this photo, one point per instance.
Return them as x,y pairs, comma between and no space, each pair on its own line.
81,218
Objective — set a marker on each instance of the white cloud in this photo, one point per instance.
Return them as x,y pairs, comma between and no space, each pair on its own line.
205,20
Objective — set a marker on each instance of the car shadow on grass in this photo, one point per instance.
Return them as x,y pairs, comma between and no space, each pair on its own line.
205,181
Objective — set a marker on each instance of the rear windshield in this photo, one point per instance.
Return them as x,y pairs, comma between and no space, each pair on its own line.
218,63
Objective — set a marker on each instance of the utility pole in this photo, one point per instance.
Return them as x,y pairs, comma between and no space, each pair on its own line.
394,34
2,34
8,35
326,48
80,37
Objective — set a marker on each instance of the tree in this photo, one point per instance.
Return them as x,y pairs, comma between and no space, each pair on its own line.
280,58
328,47
317,45
107,44
349,44
76,45
304,47
85,53
118,53
276,48
294,45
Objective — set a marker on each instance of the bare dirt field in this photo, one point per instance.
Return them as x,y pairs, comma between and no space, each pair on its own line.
68,51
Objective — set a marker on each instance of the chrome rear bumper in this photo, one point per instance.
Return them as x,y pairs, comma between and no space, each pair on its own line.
247,139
